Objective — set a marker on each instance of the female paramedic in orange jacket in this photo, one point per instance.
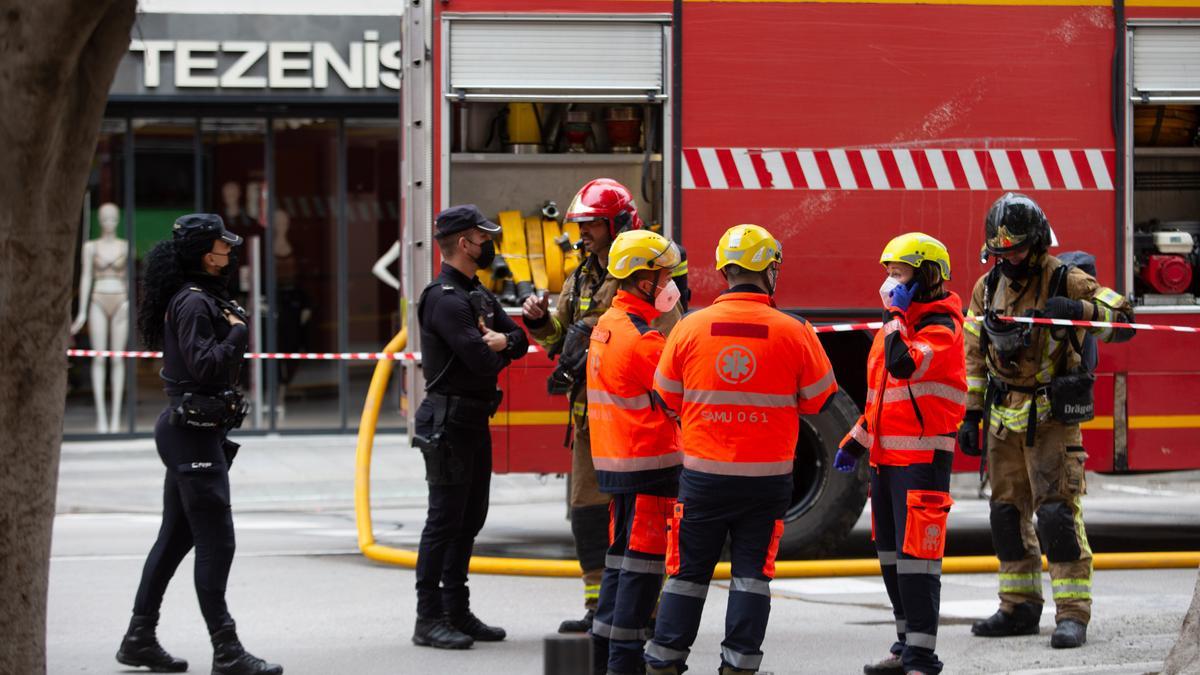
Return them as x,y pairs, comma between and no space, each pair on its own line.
916,390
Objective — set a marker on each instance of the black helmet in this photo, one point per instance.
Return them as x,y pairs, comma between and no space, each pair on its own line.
1015,222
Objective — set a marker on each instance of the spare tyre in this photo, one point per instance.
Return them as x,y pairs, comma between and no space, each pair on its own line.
825,502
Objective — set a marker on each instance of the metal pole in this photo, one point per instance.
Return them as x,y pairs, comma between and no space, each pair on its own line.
343,277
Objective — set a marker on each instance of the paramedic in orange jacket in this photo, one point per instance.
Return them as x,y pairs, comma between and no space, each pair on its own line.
916,392
740,373
634,443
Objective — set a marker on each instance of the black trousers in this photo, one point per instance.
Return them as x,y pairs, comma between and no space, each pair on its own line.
459,474
705,516
914,582
195,514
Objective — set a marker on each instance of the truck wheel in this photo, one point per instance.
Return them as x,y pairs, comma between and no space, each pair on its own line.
825,503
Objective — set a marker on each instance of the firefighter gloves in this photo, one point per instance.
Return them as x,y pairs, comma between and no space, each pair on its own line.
1059,307
968,433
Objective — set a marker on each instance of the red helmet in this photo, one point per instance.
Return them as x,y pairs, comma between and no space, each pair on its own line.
605,198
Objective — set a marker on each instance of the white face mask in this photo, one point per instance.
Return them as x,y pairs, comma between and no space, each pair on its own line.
885,291
667,297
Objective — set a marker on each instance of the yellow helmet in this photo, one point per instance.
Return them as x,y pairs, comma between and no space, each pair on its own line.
915,248
635,250
748,246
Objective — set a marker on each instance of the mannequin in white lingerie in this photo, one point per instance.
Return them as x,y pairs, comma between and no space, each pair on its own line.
104,307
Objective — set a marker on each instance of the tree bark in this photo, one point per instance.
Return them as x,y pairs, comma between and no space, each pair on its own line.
57,60
1184,658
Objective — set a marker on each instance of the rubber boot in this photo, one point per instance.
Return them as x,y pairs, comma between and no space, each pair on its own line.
1022,621
230,658
888,666
1069,634
583,625
140,648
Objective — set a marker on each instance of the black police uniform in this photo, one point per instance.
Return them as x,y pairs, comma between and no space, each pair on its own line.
202,356
461,374
202,353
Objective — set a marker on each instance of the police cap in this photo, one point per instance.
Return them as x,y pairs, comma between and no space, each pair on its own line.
463,217
200,226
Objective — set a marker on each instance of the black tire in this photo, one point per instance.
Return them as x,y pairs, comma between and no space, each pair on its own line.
826,503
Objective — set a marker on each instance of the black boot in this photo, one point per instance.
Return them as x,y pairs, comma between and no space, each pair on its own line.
578,625
887,666
440,634
469,624
1069,634
140,647
230,658
1023,621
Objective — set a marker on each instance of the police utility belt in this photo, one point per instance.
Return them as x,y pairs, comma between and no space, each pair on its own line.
443,404
194,410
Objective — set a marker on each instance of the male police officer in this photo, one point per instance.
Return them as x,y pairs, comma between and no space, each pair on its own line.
1027,388
603,208
466,340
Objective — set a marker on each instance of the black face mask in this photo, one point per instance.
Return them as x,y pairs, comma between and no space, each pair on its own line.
487,254
231,265
1014,271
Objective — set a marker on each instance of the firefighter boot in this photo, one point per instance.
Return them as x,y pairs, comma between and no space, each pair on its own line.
1069,634
888,666
469,624
230,658
1022,621
583,625
438,633
140,647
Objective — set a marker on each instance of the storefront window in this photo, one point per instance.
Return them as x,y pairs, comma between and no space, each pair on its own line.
303,254
164,187
373,252
234,185
96,387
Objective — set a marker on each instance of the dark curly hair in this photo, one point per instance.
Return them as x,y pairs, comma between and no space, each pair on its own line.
167,267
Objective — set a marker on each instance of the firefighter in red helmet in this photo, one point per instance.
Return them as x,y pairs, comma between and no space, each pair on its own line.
603,208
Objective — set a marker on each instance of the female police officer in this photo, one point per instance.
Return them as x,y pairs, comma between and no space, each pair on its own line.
186,309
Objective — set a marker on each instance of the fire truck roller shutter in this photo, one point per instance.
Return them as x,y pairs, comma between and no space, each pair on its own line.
825,503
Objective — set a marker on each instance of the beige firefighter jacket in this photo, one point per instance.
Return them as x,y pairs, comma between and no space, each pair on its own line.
1036,364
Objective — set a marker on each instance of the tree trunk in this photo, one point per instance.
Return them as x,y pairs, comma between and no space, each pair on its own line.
1184,658
57,60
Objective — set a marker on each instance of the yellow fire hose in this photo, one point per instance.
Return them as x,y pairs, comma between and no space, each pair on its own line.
570,568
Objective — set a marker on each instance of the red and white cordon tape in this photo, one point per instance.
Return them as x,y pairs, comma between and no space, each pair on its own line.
416,356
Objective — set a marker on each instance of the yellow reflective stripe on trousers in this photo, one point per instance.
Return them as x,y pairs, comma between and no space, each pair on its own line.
1017,419
1072,588
1021,583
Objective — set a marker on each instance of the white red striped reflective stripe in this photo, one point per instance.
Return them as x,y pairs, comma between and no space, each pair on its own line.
665,383
898,168
926,359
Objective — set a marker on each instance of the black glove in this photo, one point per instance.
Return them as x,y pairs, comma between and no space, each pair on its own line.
1059,307
968,433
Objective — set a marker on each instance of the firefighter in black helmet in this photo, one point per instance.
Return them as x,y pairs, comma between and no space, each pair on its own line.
1027,388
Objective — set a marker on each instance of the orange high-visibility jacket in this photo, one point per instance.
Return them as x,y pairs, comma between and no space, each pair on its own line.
635,444
740,372
916,386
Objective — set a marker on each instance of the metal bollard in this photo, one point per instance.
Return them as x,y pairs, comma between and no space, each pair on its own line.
567,654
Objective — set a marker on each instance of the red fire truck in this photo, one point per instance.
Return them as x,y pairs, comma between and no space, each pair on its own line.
835,125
